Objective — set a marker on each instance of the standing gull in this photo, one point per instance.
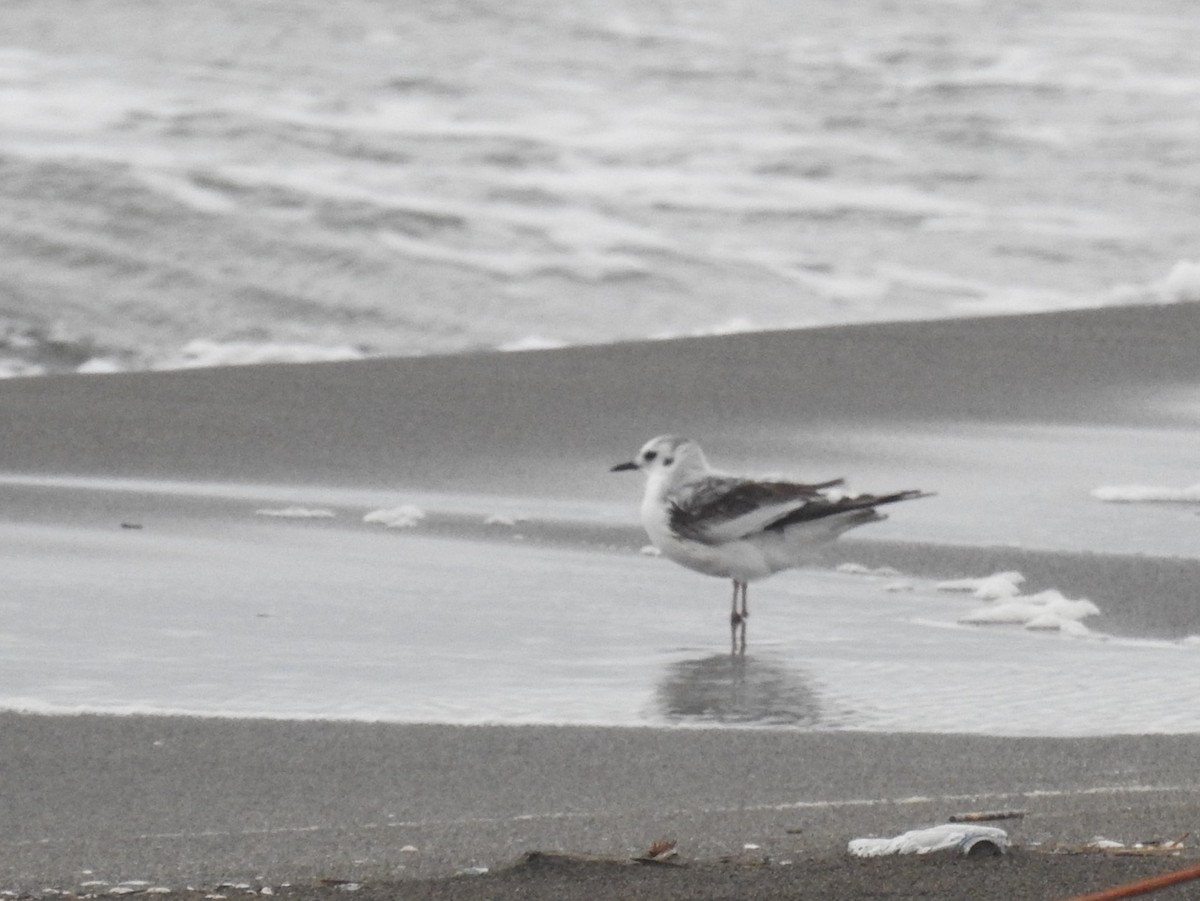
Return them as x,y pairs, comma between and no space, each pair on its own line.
740,528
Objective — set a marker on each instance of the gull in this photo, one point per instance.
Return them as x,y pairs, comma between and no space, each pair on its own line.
740,528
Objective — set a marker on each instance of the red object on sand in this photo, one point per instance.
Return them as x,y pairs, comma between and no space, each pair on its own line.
1142,886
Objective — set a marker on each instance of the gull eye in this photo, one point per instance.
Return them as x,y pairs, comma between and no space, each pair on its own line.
649,455
668,461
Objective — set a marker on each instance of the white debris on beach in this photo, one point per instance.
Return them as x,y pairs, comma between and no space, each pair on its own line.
1147,494
649,550
1047,610
997,585
406,516
296,512
947,837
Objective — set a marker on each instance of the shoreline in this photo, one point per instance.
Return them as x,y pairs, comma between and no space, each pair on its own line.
178,801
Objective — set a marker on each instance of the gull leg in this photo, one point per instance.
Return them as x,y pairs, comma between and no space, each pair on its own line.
737,620
745,614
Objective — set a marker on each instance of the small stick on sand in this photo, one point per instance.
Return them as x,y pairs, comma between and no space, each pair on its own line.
981,816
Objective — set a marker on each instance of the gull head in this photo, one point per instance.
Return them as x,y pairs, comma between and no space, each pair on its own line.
667,457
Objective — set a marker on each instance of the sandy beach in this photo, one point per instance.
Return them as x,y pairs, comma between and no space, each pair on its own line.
374,618
147,577
445,812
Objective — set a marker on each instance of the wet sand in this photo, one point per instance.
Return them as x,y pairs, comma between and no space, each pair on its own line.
547,422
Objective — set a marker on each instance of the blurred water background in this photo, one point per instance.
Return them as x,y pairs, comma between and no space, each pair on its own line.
239,181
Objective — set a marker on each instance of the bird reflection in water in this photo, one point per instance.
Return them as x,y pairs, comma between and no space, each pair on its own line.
737,689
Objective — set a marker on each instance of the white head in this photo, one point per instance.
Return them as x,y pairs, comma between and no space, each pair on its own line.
668,458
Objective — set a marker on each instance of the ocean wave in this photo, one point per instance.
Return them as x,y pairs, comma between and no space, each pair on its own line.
203,352
430,181
34,350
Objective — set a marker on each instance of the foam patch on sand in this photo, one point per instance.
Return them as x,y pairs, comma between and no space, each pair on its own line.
997,585
1147,494
510,520
406,516
1048,611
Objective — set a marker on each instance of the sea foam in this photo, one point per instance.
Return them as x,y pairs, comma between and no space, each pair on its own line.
1047,610
997,585
203,352
332,199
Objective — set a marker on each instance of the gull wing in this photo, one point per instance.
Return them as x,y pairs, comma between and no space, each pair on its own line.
820,507
716,509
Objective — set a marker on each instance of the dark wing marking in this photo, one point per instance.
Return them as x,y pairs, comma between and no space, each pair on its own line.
821,507
719,508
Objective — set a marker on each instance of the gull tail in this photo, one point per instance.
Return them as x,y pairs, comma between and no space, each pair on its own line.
910,495
821,521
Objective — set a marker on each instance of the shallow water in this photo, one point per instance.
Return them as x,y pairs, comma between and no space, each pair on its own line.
311,181
210,609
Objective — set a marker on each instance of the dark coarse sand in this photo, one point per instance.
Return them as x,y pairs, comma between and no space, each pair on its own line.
1017,877
400,810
